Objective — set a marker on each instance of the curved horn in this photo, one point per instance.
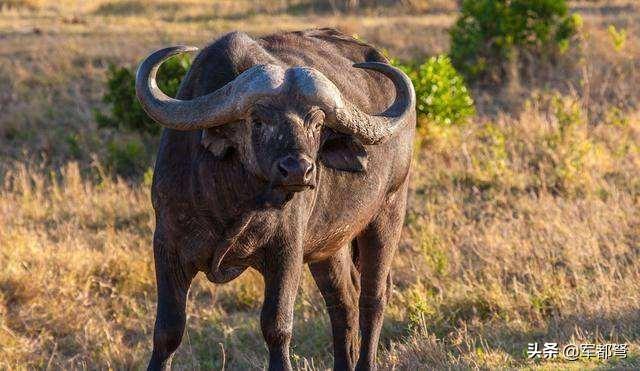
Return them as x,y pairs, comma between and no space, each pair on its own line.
217,108
373,129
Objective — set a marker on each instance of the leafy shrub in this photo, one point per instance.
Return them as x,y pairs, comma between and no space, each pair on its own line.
441,93
420,308
618,37
489,34
435,257
73,143
126,158
492,161
126,113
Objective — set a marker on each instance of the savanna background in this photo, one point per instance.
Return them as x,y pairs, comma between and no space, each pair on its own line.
524,213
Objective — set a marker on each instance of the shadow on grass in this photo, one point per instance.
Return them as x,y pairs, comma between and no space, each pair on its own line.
574,329
234,339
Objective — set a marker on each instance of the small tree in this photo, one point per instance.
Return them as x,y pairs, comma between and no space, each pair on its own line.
489,36
441,93
126,113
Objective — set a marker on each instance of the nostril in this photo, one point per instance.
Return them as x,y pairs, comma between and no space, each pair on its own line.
309,173
283,170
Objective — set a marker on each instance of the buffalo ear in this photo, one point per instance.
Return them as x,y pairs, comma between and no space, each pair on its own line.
215,143
343,152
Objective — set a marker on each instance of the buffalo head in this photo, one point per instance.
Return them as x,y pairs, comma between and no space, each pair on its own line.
274,119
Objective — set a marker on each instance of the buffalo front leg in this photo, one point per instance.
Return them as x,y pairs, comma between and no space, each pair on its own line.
339,283
173,284
282,269
377,245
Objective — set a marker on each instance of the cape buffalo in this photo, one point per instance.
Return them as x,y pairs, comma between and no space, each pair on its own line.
281,151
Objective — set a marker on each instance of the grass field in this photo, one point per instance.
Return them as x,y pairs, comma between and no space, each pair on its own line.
523,226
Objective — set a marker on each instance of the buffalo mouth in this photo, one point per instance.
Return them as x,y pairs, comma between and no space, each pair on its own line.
295,187
277,195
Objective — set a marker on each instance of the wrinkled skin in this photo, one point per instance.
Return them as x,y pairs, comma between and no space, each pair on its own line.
277,190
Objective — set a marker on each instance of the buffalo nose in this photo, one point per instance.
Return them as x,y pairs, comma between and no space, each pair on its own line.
296,170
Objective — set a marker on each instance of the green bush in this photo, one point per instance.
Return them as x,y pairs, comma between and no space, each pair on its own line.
441,94
126,113
618,37
489,34
126,157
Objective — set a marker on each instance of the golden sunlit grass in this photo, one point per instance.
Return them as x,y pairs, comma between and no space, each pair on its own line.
523,226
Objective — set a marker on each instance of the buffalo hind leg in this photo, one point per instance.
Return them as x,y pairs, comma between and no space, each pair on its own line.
173,284
377,245
281,272
339,283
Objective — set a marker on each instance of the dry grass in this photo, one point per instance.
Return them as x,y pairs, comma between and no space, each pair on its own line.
523,226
